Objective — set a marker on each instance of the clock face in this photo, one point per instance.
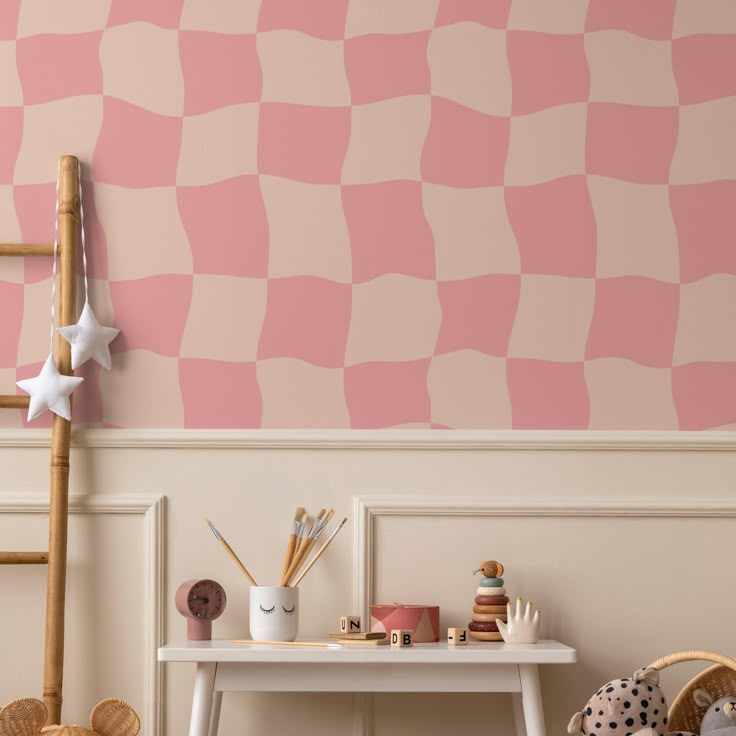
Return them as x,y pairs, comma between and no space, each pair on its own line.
205,600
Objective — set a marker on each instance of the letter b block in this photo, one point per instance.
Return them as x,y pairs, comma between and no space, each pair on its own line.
349,624
402,638
457,637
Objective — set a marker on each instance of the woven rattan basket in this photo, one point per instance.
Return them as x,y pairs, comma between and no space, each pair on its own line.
111,717
719,680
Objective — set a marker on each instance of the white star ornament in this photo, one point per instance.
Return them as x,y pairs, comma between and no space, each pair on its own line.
49,390
89,339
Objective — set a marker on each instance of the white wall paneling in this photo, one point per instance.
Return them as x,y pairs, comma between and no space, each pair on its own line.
149,611
479,491
400,439
408,551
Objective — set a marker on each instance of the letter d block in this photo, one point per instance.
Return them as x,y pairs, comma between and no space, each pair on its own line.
349,624
457,637
402,638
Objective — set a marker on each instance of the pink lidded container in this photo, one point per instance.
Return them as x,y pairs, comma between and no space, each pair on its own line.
423,621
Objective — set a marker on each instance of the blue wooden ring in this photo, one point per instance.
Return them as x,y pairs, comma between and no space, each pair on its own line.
491,582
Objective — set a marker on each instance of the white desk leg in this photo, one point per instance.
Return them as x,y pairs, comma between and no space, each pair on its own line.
531,699
215,718
204,683
518,714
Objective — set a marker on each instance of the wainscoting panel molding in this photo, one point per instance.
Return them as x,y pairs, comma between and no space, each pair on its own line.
152,509
389,439
367,509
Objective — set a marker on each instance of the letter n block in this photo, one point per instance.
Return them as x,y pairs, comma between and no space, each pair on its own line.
457,637
349,624
402,638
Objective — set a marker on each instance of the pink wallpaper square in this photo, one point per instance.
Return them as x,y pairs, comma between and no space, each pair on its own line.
369,214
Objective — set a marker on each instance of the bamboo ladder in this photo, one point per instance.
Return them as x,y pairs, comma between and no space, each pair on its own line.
55,558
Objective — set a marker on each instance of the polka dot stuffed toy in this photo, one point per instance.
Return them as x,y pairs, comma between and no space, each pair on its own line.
631,706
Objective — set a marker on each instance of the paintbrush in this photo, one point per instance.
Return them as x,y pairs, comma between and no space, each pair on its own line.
229,550
296,528
314,527
320,552
299,541
304,550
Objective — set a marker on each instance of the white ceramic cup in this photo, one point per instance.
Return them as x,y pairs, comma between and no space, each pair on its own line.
274,613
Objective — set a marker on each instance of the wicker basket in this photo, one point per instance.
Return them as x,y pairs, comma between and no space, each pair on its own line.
719,681
25,717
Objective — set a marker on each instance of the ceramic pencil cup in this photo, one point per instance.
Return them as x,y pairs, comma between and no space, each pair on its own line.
274,613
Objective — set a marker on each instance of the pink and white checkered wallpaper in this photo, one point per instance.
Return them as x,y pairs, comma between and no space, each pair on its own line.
371,213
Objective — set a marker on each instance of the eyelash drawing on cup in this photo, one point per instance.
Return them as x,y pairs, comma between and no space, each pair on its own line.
267,611
289,611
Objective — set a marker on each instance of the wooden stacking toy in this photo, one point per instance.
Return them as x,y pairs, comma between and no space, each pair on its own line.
490,603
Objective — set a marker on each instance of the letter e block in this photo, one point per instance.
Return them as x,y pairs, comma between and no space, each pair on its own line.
349,624
402,638
457,637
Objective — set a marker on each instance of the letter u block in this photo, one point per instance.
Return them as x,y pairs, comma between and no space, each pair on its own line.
350,624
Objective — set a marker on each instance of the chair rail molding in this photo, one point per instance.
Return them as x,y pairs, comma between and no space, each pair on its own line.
368,508
380,439
151,507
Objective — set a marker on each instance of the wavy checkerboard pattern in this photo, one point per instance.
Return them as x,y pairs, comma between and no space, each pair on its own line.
370,213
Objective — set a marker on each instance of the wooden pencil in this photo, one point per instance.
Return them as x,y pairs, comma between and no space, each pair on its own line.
324,645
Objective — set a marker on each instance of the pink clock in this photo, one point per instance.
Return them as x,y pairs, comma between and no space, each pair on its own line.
200,602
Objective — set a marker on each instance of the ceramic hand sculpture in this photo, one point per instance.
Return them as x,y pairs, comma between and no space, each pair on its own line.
26,717
720,716
520,628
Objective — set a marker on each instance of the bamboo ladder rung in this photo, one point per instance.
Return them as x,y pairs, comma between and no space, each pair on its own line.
24,558
22,249
14,402
26,249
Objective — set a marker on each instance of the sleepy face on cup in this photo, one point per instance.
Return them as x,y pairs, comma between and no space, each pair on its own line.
269,611
274,613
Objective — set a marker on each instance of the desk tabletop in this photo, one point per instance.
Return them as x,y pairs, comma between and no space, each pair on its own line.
544,652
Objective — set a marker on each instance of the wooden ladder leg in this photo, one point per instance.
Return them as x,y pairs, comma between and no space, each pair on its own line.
56,582
60,444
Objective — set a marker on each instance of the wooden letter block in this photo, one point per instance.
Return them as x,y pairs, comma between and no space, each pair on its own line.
457,637
402,638
349,624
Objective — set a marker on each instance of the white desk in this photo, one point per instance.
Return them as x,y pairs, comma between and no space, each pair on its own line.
478,667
